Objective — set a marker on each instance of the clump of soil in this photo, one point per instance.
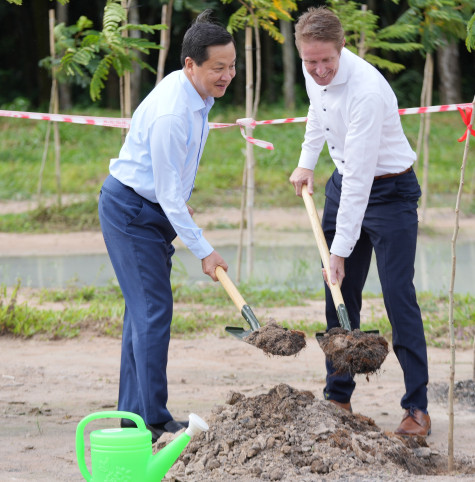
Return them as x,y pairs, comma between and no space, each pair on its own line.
273,339
354,351
289,435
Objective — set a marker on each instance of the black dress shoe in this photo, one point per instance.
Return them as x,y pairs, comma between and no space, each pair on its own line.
172,426
127,423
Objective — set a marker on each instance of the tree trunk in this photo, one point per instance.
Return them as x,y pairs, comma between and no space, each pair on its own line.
448,67
249,154
288,60
125,102
65,98
136,74
428,80
268,89
257,89
167,11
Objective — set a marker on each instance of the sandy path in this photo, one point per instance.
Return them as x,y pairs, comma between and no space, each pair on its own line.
48,386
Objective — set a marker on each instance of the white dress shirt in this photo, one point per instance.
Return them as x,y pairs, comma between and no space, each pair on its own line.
357,115
162,151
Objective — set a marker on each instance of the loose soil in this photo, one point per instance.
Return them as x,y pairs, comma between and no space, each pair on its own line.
354,351
275,340
267,416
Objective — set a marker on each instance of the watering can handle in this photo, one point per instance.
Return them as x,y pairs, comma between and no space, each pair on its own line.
80,446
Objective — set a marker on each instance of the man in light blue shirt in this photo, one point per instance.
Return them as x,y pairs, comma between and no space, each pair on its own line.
143,207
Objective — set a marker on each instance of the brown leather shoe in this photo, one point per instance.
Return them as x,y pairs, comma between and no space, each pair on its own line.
414,422
345,406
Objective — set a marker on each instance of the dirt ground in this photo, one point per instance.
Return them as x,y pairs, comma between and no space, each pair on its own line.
47,387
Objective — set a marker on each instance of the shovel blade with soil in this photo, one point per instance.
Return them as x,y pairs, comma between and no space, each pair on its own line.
272,339
349,351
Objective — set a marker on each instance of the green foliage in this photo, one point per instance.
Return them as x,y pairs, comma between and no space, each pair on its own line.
364,38
89,55
261,13
470,40
437,20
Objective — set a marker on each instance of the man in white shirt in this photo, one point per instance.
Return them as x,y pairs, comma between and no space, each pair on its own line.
143,207
371,200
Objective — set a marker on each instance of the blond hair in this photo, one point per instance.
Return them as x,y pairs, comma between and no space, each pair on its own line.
319,24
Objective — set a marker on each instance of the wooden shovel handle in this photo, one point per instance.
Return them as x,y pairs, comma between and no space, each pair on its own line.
322,245
230,288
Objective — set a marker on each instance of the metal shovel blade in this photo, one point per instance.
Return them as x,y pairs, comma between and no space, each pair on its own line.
240,333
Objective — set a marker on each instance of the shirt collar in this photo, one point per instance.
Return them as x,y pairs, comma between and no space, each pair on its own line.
196,102
342,74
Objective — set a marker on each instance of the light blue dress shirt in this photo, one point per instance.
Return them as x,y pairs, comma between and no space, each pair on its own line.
162,151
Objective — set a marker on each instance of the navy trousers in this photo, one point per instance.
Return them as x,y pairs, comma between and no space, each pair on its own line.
138,237
390,228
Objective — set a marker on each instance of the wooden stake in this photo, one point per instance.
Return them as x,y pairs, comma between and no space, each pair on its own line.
249,152
451,300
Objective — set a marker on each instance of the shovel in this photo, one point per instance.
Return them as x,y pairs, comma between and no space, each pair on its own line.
242,306
341,310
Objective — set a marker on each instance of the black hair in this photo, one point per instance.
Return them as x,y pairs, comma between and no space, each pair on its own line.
202,34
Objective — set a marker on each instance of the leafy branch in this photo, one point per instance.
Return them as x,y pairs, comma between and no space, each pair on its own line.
89,54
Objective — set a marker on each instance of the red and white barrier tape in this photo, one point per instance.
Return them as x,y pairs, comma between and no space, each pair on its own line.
124,123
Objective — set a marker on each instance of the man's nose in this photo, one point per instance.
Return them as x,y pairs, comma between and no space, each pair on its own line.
228,75
320,70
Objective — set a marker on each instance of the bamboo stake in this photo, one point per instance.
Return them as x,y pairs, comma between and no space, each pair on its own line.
451,300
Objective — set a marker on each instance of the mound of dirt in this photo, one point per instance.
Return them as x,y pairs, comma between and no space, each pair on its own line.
289,435
464,392
354,351
273,339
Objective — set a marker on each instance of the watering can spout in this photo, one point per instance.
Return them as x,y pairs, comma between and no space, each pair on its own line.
162,461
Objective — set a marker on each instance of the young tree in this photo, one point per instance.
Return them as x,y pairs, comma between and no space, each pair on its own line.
438,22
365,38
251,16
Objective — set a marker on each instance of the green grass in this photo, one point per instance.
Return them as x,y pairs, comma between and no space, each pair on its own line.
100,310
86,151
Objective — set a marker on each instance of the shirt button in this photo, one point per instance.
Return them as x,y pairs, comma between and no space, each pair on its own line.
333,147
324,110
328,129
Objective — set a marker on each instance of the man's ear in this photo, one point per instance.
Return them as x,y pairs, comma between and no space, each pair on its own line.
189,63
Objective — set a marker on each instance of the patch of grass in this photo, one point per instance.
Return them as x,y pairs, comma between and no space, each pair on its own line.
101,310
80,216
87,150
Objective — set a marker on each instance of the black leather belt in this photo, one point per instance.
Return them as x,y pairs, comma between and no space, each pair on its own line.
386,176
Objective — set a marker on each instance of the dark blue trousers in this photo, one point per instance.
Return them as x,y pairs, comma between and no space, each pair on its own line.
390,228
138,237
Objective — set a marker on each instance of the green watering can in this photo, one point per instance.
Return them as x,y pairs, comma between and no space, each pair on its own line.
125,454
